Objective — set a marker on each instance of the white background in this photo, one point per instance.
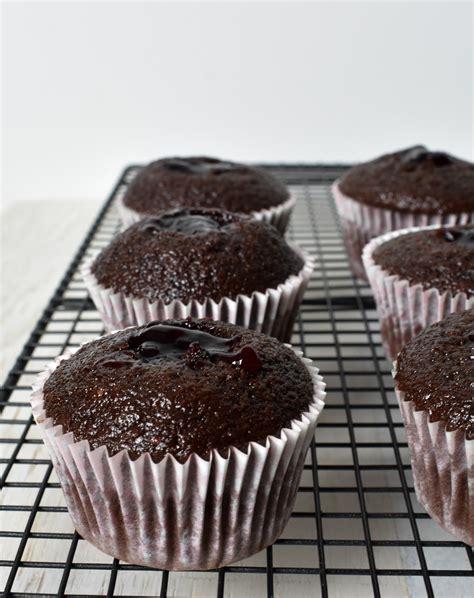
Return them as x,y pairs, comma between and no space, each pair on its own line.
89,87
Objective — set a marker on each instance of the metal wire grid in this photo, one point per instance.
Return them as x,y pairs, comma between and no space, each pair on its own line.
357,528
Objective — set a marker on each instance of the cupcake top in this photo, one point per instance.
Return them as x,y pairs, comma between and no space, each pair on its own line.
413,180
172,183
435,370
441,258
196,254
178,387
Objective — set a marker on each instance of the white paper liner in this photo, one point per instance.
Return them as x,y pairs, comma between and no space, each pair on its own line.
278,216
199,514
361,223
404,309
272,312
443,470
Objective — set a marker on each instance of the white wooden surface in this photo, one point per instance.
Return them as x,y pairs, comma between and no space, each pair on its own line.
38,242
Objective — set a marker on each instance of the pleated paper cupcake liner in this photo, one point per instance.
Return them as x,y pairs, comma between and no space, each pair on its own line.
272,312
278,216
442,462
200,514
405,309
361,223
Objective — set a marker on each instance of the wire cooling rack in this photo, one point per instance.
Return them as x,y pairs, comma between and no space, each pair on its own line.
356,530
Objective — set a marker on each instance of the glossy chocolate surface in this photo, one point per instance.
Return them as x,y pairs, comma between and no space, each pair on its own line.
184,221
435,370
440,258
413,180
459,235
196,254
163,341
203,182
179,387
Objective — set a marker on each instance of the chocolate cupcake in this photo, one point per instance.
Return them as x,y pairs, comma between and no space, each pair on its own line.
201,182
418,277
179,444
201,263
412,187
434,375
